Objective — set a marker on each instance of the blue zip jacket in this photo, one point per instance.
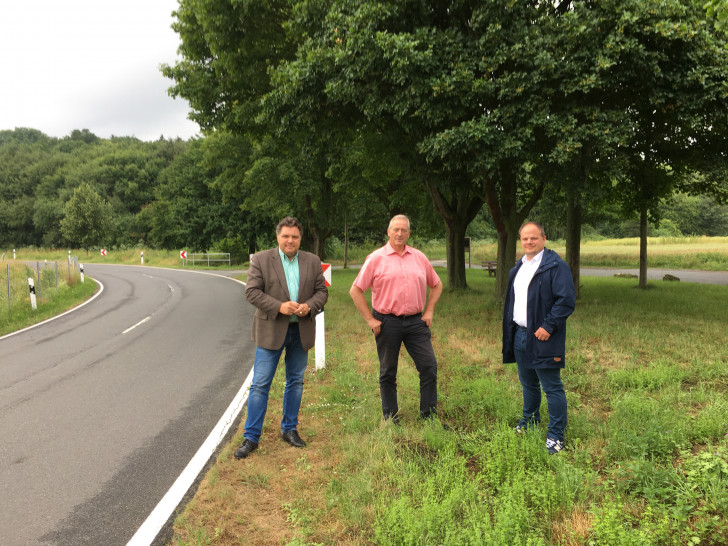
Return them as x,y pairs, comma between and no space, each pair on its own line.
551,299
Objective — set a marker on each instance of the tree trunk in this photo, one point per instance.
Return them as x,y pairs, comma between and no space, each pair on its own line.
457,212
456,255
318,235
507,218
643,246
346,242
506,260
573,239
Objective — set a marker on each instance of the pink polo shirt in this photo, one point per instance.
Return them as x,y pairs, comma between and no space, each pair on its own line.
399,283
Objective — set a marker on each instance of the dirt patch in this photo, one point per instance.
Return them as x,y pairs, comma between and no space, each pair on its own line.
259,500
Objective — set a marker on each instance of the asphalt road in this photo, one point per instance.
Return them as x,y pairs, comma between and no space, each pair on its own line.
685,275
102,409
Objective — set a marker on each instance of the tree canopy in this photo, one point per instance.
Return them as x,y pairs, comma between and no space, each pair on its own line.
468,116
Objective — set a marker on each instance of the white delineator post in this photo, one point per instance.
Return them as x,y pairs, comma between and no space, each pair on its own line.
319,348
81,268
31,287
142,257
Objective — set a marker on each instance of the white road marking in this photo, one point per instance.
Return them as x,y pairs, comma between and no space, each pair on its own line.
163,511
137,324
166,507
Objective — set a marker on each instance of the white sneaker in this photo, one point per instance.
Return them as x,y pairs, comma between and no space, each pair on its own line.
554,446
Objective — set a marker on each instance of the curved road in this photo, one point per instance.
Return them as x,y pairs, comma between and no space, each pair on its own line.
102,409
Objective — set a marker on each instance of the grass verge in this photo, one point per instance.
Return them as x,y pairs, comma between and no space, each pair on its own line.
647,443
15,307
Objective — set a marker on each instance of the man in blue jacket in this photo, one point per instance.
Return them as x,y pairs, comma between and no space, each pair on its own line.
539,300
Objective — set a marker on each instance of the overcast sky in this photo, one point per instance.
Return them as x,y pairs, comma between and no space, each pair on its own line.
90,64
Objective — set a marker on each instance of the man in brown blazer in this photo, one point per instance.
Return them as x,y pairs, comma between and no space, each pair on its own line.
287,287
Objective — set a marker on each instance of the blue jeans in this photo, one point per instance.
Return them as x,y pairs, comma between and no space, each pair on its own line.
264,369
532,380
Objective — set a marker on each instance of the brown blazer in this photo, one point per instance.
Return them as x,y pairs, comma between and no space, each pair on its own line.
267,289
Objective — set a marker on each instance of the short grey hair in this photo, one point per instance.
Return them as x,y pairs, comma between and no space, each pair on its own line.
399,217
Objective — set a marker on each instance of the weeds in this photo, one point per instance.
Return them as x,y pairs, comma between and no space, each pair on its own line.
56,291
646,443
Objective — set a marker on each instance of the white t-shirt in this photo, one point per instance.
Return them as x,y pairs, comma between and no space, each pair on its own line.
520,288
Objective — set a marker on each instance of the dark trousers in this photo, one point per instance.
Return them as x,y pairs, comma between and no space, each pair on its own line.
417,339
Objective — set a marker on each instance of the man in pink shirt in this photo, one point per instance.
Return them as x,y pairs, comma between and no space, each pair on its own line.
399,276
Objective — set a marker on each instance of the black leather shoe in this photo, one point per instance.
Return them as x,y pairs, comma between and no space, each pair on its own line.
293,438
245,449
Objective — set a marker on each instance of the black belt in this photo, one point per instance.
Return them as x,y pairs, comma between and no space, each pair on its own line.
519,326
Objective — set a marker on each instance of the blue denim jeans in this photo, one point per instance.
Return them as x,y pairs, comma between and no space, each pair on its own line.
264,369
532,381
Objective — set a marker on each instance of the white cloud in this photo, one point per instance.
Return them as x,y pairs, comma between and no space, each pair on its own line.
90,64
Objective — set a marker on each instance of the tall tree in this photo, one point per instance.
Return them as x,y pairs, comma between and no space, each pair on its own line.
669,73
467,86
228,49
87,218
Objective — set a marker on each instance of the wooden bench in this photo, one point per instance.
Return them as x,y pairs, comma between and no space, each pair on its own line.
490,266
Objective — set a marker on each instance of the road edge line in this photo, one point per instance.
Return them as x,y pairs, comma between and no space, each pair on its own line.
150,529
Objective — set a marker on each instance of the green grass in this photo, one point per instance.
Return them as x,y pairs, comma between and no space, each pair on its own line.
646,460
703,253
51,300
157,258
647,443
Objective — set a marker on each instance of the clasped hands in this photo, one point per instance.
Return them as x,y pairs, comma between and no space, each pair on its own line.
294,308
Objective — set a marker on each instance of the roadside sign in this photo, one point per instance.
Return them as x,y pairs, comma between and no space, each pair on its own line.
183,254
103,252
319,348
326,268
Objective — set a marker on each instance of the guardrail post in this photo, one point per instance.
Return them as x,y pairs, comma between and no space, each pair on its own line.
31,287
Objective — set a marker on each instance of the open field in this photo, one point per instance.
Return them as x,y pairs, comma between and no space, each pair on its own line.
707,253
647,444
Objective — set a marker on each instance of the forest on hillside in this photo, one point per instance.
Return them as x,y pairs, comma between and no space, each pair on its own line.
166,195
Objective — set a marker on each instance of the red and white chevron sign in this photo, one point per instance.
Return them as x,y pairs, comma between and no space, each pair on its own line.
326,268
